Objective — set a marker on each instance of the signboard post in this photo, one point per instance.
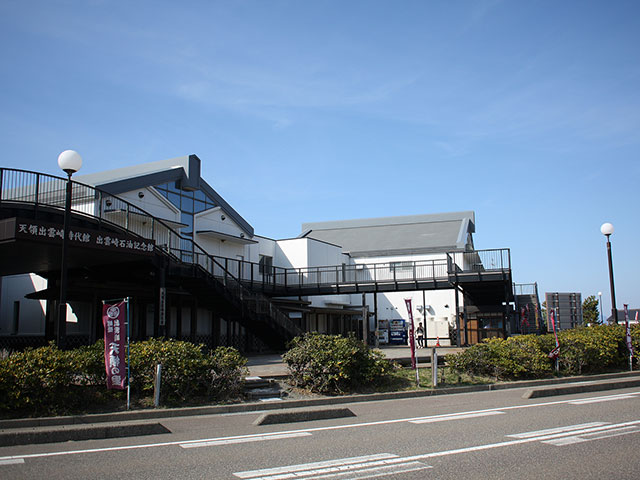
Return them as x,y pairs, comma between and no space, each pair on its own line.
115,316
628,335
556,351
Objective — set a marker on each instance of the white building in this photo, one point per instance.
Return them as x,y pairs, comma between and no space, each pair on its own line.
196,269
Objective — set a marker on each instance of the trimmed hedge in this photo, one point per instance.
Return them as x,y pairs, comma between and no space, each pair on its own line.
583,350
332,364
50,381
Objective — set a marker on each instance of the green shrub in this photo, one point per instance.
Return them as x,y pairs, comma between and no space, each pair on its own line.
591,349
511,359
228,369
187,371
49,381
582,350
89,364
39,380
334,364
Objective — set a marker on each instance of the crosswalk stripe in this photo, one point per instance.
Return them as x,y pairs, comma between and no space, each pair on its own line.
230,441
315,465
550,431
377,471
592,436
457,416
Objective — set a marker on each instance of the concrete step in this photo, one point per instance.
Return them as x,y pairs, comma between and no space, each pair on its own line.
256,388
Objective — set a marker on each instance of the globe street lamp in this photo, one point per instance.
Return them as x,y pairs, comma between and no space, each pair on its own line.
607,230
69,161
600,306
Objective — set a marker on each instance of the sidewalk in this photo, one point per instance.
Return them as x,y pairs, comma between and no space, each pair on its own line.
272,366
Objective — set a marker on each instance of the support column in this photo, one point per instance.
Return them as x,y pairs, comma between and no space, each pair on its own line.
506,311
194,320
424,318
375,312
179,318
215,329
365,320
458,339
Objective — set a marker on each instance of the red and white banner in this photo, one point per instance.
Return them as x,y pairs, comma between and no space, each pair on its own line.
412,341
556,351
114,321
628,336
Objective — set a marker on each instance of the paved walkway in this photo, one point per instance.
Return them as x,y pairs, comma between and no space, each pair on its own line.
272,366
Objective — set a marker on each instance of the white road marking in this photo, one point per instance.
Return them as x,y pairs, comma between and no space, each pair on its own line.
549,431
314,465
592,436
369,466
457,416
608,398
260,438
374,472
596,429
15,461
316,429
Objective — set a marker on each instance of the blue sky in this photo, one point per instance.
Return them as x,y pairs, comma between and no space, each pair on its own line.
527,112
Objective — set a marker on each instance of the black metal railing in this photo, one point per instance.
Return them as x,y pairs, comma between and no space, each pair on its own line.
243,280
293,280
43,190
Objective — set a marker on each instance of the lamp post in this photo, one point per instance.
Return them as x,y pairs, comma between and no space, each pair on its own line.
600,306
607,230
69,161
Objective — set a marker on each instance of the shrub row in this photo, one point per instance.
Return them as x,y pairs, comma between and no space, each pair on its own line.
582,350
332,364
47,380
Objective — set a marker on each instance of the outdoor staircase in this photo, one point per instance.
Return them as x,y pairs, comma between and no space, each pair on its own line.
254,311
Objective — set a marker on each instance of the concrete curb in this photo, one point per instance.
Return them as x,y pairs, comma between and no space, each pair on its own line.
287,404
570,389
89,432
291,416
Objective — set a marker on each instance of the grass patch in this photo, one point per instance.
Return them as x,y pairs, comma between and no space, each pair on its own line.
404,379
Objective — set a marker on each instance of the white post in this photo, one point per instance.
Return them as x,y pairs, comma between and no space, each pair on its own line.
434,367
156,386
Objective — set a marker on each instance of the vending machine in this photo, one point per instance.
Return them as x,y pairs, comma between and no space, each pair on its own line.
397,332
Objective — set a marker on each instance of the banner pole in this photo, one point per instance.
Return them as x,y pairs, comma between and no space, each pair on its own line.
412,341
128,360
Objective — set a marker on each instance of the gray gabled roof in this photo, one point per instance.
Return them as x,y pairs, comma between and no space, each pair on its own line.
431,233
185,171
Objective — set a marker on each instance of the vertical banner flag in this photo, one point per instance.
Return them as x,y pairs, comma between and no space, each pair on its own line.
556,351
626,321
113,320
412,341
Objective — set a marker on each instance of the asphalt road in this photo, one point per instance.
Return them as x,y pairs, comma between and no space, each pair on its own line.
496,435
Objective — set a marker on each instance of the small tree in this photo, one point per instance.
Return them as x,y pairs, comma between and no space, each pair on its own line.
590,311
